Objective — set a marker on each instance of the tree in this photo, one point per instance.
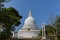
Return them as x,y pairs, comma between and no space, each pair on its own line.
50,31
10,17
57,24
2,3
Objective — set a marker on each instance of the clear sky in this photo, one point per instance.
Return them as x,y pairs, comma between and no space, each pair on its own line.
41,9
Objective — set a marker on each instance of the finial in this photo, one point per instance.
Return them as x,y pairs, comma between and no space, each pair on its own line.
30,13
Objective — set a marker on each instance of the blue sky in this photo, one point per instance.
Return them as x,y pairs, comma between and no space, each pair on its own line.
41,9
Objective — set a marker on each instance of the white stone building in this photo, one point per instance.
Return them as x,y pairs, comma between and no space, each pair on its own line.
29,29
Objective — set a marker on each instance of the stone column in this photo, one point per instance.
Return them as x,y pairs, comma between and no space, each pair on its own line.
43,32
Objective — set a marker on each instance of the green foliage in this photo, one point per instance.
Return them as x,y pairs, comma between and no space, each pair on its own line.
10,17
49,30
57,24
2,3
53,31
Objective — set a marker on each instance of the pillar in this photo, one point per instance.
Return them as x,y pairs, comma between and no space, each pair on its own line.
43,32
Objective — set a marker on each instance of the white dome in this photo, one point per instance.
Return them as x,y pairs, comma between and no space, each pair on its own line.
29,20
